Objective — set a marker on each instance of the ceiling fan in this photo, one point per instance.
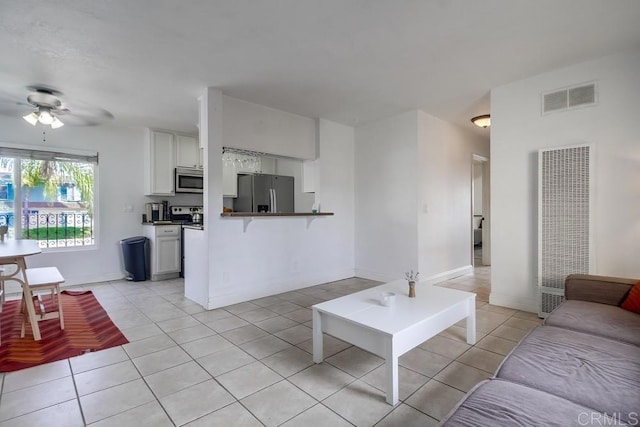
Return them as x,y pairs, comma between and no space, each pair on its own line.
49,109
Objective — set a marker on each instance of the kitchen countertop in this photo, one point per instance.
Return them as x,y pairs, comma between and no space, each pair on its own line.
162,223
256,214
182,223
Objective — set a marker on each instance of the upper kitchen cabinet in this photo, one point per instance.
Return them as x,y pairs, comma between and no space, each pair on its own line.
310,175
262,129
160,163
164,152
188,152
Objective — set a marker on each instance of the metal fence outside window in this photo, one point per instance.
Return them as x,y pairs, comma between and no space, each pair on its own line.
54,230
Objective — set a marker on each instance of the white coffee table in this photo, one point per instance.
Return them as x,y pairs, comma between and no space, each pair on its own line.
389,332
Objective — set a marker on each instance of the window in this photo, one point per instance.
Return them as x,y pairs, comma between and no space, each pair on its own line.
50,194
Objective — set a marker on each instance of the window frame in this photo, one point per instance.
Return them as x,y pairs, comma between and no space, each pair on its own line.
24,151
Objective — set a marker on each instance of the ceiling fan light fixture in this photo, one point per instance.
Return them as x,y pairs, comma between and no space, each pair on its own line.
31,118
45,116
483,121
56,123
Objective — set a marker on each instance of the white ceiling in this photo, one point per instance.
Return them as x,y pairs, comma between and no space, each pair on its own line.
351,61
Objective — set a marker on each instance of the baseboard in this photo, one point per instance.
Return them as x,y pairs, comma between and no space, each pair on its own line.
441,277
431,280
517,303
291,283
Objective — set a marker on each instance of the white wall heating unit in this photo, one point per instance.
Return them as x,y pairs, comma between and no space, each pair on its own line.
565,225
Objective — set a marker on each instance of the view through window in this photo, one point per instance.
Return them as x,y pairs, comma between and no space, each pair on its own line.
47,197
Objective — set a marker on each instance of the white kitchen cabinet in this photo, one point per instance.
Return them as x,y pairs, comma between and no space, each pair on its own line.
188,152
159,163
164,251
310,172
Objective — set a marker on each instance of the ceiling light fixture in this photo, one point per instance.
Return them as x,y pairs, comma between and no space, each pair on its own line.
483,121
45,117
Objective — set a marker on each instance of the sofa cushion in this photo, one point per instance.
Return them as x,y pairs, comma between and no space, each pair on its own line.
632,301
605,320
592,371
602,289
501,403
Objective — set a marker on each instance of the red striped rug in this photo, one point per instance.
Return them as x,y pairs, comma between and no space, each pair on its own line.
87,327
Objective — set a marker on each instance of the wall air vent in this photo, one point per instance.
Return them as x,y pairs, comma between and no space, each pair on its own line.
569,98
565,228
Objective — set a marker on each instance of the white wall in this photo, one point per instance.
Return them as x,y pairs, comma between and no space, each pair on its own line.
119,183
445,154
270,255
258,128
518,131
386,206
477,188
413,197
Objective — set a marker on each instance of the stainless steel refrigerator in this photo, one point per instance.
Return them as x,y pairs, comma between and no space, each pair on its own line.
264,193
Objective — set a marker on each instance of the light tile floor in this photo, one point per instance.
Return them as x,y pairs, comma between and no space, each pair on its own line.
250,364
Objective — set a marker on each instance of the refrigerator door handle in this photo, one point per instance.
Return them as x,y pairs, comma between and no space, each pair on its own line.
274,208
272,200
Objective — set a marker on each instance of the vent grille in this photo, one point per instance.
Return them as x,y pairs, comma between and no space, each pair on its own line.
564,216
583,95
555,101
548,302
566,99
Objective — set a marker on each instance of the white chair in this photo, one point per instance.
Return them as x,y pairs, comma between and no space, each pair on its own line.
42,279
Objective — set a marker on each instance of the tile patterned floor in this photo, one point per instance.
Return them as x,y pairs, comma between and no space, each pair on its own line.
250,364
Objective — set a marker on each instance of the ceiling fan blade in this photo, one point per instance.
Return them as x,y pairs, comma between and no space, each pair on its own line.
15,109
85,117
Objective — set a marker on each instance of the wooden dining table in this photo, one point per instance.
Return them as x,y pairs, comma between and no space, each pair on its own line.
14,252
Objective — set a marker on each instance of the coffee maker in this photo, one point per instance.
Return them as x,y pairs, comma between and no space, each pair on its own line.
157,211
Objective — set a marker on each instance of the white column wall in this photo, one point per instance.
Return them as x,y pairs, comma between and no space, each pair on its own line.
518,131
386,205
254,258
445,236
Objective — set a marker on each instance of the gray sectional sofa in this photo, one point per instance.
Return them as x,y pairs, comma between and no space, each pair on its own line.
580,368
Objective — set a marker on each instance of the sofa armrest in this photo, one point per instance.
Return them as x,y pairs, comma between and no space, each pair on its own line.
601,289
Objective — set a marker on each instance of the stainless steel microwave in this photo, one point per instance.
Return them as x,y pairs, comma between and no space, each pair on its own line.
189,180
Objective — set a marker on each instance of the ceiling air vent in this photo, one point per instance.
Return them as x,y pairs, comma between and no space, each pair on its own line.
569,98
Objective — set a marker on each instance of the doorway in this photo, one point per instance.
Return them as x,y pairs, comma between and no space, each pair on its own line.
480,212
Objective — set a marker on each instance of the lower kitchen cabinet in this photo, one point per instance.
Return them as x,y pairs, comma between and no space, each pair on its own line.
164,251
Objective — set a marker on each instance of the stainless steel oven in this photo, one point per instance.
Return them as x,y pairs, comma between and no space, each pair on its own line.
185,216
189,180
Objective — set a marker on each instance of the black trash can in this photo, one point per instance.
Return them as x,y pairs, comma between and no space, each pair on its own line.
133,252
